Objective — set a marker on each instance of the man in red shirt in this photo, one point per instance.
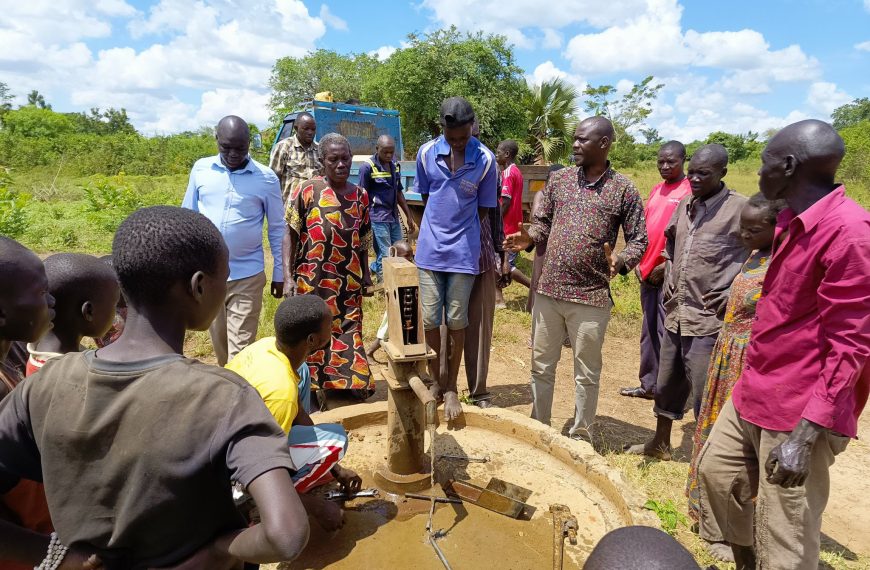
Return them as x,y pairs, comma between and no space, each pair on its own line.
511,197
806,378
663,200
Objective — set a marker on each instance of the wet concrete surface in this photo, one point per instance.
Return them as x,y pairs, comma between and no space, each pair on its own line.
390,531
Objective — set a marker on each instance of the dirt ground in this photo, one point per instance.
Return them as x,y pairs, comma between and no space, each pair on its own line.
846,526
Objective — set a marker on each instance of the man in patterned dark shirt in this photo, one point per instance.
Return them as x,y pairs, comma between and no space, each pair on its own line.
582,210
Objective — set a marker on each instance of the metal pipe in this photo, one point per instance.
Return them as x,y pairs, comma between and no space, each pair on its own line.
425,397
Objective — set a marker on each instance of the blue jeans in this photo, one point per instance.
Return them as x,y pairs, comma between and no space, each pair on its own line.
386,234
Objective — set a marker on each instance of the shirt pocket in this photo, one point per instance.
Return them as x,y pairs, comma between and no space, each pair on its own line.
714,249
599,221
467,188
793,294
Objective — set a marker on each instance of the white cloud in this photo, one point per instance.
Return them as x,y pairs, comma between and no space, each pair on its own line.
331,19
548,70
823,97
383,52
652,42
246,103
867,5
552,39
206,49
516,18
863,46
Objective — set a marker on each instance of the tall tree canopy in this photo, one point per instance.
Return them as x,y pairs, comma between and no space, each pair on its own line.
295,80
851,113
446,63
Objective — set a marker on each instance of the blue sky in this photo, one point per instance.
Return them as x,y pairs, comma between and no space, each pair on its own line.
179,64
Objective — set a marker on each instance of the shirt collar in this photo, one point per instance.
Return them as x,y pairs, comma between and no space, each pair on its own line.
298,145
378,163
584,183
249,167
811,217
711,202
443,149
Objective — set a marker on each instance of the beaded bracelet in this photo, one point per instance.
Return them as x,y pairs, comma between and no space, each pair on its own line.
55,555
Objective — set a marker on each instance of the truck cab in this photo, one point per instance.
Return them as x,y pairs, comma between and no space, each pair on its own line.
359,124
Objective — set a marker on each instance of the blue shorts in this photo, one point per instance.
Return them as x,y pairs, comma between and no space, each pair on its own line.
512,258
442,290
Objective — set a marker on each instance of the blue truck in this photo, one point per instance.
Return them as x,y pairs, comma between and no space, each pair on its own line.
359,124
362,125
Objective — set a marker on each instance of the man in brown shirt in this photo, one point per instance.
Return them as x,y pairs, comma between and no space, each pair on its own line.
705,254
582,211
296,158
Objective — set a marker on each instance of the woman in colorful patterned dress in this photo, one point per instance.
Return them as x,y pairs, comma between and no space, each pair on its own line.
757,223
326,253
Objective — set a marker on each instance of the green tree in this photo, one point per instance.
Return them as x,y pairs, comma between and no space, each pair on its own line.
551,116
738,146
5,98
851,113
627,113
651,137
295,80
856,163
35,99
103,122
446,63
33,121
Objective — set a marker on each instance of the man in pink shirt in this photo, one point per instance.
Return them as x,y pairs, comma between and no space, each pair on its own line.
511,197
806,378
663,200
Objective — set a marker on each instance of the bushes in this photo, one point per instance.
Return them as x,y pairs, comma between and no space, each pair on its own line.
87,154
13,216
856,164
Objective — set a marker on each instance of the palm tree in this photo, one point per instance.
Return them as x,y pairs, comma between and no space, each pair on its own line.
551,109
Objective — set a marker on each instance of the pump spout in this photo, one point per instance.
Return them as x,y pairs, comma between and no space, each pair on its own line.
425,396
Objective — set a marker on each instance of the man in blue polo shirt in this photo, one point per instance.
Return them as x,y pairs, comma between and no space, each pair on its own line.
238,194
456,176
381,177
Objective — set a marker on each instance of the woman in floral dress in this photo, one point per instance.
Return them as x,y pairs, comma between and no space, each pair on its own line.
757,223
326,253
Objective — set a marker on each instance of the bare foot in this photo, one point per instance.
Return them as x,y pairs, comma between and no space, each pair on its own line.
452,407
435,390
650,449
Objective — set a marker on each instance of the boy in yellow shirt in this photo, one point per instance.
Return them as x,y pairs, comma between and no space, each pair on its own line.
276,368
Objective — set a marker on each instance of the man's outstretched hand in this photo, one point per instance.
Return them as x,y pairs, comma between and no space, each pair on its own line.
788,464
614,261
518,241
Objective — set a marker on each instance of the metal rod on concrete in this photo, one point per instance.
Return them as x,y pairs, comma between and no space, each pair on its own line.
432,541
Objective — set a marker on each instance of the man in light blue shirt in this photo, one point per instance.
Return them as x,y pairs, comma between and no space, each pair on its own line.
456,175
238,194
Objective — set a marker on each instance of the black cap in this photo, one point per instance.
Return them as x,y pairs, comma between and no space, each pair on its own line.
455,112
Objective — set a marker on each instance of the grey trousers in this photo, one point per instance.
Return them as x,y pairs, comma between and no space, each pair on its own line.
683,365
478,335
235,325
585,326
